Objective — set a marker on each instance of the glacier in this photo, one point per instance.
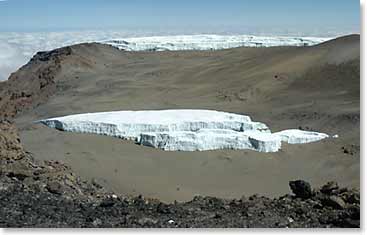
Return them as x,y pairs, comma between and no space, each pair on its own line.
208,42
183,129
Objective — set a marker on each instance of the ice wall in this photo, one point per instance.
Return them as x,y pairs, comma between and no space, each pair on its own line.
183,130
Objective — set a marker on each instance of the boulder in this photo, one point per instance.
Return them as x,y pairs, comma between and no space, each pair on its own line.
301,188
335,202
329,187
55,187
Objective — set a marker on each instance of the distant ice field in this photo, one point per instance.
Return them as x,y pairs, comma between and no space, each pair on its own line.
17,48
208,42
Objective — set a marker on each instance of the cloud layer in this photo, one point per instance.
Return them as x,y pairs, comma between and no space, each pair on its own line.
17,48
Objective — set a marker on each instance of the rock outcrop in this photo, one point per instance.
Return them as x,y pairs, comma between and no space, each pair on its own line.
18,165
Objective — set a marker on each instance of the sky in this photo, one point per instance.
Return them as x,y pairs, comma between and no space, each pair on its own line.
301,16
28,26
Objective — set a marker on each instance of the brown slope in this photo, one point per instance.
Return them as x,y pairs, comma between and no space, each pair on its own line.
286,87
42,76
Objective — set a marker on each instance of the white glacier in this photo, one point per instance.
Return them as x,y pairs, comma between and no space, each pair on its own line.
295,136
208,42
183,129
210,139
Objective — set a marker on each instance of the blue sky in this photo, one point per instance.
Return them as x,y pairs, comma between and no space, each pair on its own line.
232,15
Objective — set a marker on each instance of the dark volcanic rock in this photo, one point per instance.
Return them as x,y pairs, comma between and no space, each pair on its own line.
334,202
351,196
22,207
55,187
329,187
108,202
301,188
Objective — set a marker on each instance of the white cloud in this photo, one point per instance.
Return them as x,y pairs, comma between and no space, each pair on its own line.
17,48
11,57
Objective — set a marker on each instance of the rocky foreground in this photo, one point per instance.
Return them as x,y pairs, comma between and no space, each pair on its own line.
49,194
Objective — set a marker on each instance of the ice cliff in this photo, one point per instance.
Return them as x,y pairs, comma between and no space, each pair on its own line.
183,130
208,42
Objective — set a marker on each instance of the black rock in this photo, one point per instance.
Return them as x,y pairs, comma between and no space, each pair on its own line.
108,202
301,189
351,197
354,212
349,223
329,187
335,202
163,209
54,187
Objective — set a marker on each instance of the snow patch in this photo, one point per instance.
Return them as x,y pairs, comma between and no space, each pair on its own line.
295,136
184,129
